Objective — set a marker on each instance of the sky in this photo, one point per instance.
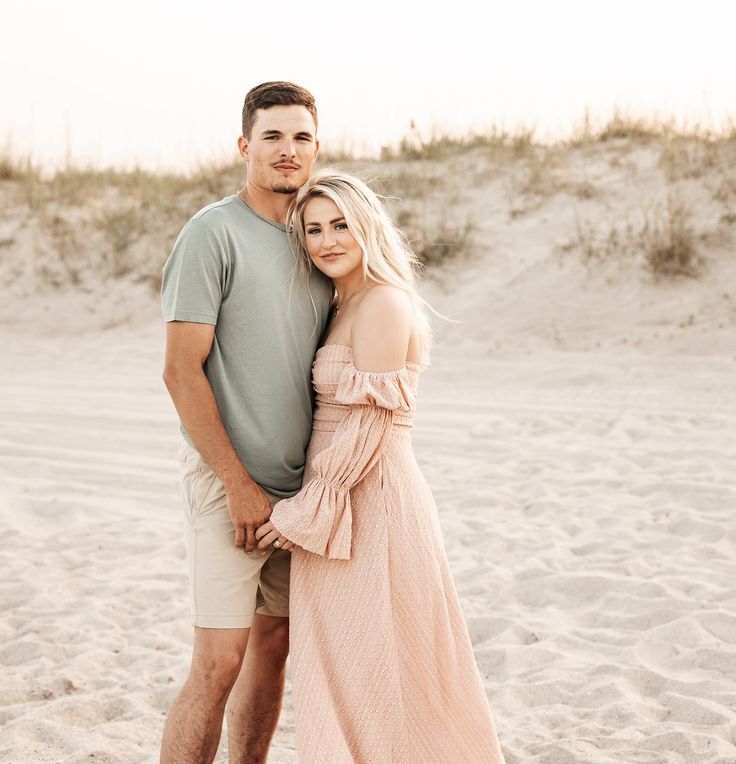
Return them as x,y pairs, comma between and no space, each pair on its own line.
161,83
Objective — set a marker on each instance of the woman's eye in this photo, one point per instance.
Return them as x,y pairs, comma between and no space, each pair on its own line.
312,231
341,226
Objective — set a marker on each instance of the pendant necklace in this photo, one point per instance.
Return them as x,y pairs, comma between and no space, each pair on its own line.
336,307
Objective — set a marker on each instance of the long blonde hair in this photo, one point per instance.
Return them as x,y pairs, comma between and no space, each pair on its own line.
387,257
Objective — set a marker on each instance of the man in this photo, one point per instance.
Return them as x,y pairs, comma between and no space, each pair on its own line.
242,330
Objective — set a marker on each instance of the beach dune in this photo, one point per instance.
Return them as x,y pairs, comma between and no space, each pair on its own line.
578,430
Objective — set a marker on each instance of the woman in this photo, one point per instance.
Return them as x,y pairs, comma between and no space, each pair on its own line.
383,669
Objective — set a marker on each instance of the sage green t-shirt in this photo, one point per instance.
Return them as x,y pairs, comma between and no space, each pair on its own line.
235,270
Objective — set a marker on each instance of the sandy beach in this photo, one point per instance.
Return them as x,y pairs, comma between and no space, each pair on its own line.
587,503
579,434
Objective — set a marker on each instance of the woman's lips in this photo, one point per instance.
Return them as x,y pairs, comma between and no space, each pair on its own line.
332,255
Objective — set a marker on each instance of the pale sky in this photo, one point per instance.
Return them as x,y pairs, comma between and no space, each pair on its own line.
162,82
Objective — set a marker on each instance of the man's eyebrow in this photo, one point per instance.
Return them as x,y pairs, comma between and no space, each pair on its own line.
300,134
332,222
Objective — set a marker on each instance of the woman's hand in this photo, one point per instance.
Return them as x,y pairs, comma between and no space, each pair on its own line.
267,535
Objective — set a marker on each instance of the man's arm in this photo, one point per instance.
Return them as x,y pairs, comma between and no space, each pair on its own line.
187,347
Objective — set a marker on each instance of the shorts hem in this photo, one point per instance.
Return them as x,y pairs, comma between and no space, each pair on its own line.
222,621
275,612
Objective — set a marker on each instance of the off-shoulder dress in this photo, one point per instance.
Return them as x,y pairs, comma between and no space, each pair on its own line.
382,665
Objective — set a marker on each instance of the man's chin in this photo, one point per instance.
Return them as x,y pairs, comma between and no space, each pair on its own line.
286,188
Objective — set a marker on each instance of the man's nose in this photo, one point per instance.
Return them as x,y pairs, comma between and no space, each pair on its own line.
288,148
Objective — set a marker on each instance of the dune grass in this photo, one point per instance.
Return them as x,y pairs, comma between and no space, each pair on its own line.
122,223
664,241
668,240
439,146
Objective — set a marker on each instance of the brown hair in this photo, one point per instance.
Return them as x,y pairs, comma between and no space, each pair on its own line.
269,94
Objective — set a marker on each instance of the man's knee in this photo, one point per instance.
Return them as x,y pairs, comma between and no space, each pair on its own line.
215,675
216,662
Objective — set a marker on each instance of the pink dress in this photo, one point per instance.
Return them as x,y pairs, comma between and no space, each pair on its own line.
382,666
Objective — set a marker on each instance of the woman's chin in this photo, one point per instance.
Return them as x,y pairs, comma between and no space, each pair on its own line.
335,271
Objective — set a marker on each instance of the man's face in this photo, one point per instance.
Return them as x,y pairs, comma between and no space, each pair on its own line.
281,149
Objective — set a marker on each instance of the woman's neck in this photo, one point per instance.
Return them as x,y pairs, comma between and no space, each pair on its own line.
349,286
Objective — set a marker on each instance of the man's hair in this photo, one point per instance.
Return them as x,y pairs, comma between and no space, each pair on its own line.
270,94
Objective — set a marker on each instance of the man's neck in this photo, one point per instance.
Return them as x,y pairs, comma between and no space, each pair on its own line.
268,204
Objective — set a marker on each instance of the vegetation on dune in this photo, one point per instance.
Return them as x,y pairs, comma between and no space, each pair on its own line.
668,240
665,240
441,145
106,223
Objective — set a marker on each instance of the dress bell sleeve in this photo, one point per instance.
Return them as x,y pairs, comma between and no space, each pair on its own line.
319,517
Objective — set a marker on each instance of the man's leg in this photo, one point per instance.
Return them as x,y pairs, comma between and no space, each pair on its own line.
255,702
194,724
223,591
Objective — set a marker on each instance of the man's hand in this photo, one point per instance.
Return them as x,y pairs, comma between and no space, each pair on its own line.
266,536
249,508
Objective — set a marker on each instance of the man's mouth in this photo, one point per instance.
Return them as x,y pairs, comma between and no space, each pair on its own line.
286,166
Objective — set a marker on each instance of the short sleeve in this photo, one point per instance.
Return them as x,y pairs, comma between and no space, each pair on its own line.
194,277
386,389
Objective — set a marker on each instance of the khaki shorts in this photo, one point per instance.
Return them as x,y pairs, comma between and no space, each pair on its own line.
226,585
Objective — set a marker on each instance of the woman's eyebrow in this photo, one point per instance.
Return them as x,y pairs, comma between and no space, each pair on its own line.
332,222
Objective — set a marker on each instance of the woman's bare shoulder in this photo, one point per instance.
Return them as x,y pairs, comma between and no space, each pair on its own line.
385,298
382,329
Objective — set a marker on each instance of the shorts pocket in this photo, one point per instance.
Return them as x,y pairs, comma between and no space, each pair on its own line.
209,495
189,475
202,491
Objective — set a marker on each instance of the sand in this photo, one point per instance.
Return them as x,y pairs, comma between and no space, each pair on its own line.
587,501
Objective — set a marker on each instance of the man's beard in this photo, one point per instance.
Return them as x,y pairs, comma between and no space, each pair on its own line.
285,188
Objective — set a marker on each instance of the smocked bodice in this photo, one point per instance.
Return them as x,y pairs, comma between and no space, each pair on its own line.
338,384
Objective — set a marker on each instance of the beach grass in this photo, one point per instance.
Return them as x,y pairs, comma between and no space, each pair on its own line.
121,223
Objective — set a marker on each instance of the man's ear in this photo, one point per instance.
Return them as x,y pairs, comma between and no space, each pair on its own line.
243,146
316,147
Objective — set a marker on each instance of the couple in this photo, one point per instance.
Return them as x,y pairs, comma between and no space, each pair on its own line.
331,546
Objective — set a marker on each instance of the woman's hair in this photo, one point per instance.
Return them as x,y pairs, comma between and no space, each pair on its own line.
387,257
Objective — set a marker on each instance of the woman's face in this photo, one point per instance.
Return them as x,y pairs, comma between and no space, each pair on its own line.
330,245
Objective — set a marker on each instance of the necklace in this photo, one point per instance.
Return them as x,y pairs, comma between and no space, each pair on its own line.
274,223
336,307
